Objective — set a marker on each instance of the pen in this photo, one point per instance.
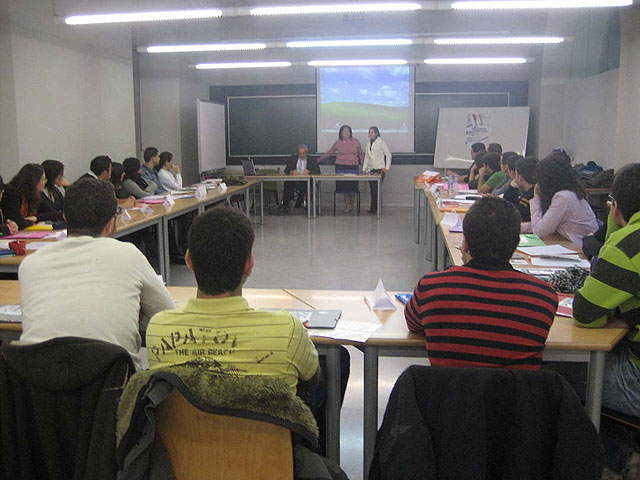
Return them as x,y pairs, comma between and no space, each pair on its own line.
560,257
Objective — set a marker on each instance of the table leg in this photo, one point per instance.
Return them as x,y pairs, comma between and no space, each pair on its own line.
416,214
163,250
594,387
441,248
309,198
247,201
315,205
333,403
370,419
379,180
261,203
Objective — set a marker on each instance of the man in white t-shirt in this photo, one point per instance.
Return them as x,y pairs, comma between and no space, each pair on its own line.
90,285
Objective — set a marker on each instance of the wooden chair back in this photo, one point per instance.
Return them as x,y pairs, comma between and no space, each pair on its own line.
204,446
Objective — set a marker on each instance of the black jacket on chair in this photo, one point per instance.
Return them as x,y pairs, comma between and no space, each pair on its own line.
312,165
58,402
485,423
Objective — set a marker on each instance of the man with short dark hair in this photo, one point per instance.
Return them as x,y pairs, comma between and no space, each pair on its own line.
484,313
219,324
90,285
521,190
491,174
100,168
612,291
148,170
495,148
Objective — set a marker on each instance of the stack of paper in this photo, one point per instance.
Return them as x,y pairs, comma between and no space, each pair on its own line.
379,299
347,330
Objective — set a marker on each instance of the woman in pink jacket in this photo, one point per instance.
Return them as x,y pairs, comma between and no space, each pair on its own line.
349,157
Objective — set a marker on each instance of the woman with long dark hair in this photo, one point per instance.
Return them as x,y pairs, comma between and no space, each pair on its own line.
349,157
377,158
559,203
52,197
133,183
117,180
169,173
21,200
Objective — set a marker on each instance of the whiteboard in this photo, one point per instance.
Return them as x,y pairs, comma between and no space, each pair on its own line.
459,128
211,147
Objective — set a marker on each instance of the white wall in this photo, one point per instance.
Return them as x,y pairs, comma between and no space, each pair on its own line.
628,135
73,89
10,162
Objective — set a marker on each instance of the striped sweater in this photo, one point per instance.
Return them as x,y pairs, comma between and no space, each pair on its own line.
482,315
613,287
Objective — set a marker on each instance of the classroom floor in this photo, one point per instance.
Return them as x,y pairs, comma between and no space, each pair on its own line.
339,253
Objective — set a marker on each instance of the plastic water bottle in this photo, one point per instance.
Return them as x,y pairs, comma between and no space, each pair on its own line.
454,187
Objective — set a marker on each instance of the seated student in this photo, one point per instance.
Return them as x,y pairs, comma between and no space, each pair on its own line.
490,175
219,324
117,179
494,148
508,167
169,173
485,313
52,197
90,285
100,168
559,203
21,200
612,291
133,183
148,171
8,227
474,172
298,164
475,148
520,191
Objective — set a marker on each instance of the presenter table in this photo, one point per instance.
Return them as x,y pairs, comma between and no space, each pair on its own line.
345,178
283,178
257,298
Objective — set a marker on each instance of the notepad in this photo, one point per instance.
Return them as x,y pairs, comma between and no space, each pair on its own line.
28,235
530,240
547,250
568,261
565,305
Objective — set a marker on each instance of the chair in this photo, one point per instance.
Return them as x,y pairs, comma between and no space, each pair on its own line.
207,446
335,193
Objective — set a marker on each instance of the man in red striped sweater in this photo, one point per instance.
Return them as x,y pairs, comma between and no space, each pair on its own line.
484,313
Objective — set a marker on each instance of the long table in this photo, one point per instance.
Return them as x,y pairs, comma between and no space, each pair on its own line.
156,215
257,298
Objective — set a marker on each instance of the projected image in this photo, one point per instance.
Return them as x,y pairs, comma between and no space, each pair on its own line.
365,96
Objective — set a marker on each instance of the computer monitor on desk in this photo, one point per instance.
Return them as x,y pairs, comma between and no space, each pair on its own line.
249,168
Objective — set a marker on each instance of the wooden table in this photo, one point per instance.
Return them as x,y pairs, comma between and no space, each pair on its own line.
257,298
377,177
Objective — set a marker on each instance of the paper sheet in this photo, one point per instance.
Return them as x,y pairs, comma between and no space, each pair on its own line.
379,299
574,261
347,330
38,245
10,313
547,250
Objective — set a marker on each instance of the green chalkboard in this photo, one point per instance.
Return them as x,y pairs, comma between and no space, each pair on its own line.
270,125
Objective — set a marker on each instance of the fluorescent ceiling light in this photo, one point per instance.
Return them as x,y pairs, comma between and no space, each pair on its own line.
336,8
475,61
354,63
214,66
381,42
212,47
142,16
532,4
498,41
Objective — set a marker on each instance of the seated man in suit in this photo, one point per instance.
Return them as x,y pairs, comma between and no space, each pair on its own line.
299,164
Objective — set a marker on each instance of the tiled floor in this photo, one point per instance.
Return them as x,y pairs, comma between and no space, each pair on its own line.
342,252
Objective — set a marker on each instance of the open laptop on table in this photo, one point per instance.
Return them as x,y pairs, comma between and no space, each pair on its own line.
249,168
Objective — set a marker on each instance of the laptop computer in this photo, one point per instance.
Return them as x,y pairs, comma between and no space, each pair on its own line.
248,167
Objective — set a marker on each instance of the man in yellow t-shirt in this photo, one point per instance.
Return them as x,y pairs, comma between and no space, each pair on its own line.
218,325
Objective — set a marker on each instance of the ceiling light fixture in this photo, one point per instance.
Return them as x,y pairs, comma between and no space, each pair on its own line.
142,16
211,47
228,65
381,42
354,63
499,41
475,61
336,8
537,4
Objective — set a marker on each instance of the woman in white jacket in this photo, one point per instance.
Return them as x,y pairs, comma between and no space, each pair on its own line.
169,173
377,159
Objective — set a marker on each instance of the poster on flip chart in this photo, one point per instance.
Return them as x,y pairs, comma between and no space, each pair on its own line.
459,128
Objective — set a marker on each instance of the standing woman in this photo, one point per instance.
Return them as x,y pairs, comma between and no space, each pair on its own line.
133,183
349,157
559,204
377,157
169,173
52,197
22,197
